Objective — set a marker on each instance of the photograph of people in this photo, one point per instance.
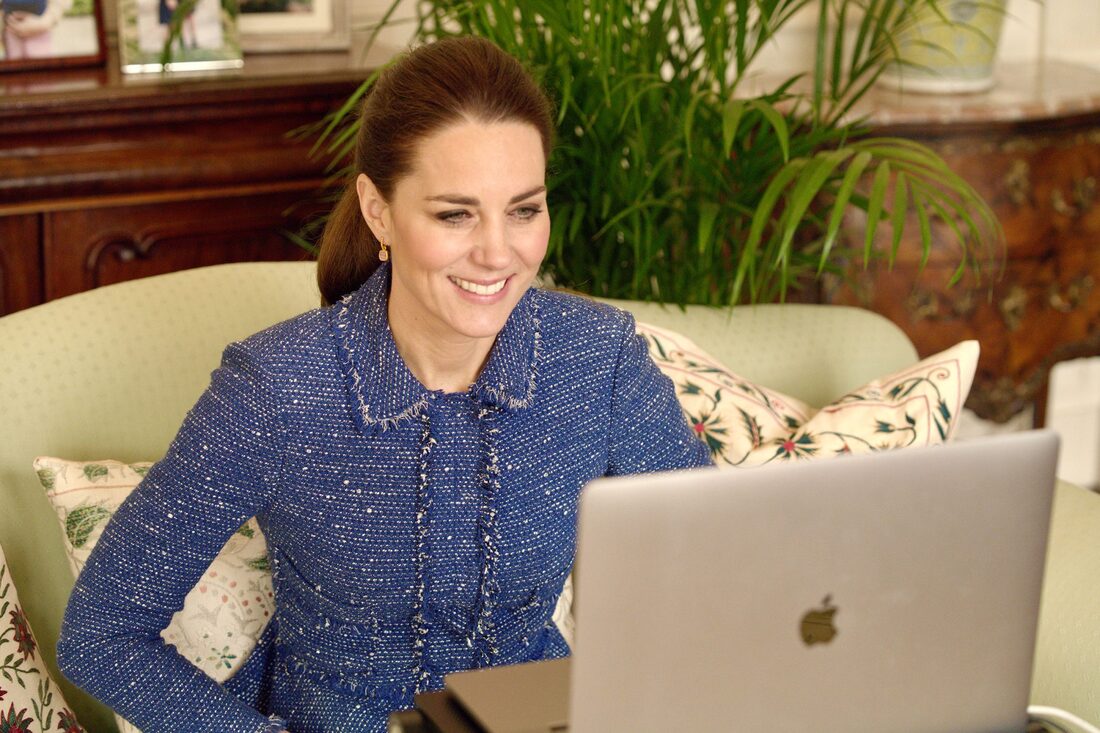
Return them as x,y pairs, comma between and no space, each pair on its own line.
200,29
28,27
44,29
413,450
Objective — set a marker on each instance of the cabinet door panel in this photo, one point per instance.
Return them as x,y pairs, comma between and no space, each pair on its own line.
98,246
20,271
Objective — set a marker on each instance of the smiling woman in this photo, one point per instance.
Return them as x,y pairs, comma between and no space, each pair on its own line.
413,451
461,261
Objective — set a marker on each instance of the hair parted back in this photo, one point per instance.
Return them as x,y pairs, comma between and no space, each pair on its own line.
424,91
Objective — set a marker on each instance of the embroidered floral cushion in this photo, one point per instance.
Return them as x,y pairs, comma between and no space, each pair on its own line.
745,424
29,698
222,617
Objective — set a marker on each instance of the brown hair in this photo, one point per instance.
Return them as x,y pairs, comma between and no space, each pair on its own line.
427,89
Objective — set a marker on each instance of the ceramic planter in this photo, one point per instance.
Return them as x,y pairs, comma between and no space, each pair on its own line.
950,57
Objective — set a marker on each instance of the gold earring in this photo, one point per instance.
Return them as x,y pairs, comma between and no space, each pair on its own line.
383,253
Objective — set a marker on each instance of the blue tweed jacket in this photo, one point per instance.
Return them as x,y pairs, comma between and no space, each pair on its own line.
411,533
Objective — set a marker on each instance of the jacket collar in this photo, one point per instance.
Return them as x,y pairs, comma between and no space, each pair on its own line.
382,390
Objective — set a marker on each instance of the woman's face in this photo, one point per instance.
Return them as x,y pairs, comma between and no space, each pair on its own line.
467,229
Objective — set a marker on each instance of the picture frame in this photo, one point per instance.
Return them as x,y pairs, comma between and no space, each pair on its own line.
45,34
274,26
206,35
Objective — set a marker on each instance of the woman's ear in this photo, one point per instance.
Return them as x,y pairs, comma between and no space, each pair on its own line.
373,206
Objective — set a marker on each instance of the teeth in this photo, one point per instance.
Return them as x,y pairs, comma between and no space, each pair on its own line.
479,289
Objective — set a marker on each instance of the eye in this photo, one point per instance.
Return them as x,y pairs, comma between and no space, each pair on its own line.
528,212
453,217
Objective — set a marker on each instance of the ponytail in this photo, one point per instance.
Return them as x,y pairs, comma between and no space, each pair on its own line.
349,251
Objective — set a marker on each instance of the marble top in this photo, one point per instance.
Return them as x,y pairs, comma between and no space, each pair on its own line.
1022,92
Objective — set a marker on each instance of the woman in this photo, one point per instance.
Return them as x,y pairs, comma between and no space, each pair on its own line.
414,451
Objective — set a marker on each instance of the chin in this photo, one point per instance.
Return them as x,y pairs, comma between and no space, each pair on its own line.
481,327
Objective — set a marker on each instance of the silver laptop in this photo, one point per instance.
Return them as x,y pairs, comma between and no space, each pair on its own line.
892,592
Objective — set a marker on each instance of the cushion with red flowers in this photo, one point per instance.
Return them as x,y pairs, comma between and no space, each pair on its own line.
746,424
29,698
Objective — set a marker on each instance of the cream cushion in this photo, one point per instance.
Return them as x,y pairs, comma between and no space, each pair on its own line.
746,424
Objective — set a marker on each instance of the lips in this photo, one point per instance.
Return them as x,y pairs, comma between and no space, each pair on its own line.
480,288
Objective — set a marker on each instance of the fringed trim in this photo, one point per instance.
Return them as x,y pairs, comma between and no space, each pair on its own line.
423,507
483,636
274,724
500,396
356,382
393,694
413,411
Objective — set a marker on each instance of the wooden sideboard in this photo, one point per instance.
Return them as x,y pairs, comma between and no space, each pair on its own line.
1031,148
105,178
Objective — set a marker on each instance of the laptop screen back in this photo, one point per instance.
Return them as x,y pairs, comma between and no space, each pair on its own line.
891,592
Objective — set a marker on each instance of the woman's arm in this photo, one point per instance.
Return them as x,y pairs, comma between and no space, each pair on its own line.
223,467
648,430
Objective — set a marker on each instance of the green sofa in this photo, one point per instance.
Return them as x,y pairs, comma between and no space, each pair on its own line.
110,374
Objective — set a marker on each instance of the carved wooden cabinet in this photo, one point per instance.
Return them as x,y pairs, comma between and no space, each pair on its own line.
1031,148
105,178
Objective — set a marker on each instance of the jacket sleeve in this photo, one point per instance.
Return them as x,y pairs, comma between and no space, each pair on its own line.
222,468
648,430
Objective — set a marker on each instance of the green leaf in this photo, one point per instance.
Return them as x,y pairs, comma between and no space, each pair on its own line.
763,215
840,205
732,112
777,123
94,471
875,204
897,218
46,478
925,231
708,212
806,191
82,520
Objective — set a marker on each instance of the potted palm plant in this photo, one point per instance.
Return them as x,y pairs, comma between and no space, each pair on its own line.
671,181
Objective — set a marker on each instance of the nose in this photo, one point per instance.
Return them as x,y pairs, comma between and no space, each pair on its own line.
492,251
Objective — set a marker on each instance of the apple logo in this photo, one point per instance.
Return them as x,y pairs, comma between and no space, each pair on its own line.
817,625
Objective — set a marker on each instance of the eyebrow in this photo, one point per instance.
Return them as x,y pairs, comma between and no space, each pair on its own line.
454,198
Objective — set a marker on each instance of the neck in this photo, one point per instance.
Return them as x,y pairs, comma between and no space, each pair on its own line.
450,363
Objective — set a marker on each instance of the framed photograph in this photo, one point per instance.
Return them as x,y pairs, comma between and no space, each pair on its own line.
41,34
294,25
207,35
